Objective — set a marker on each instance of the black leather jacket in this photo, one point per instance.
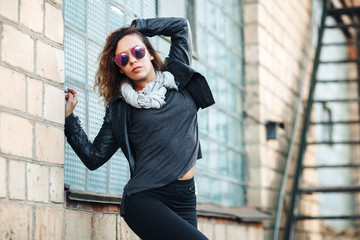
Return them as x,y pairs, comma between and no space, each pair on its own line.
113,133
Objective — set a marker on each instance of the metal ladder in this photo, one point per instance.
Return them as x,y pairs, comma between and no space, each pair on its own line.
298,188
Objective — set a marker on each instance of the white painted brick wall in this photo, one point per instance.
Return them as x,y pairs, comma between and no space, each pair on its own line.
49,144
104,226
49,223
9,11
16,221
77,225
16,135
124,232
207,228
37,183
220,232
19,53
13,93
32,14
17,180
34,96
50,62
3,177
54,27
54,107
57,184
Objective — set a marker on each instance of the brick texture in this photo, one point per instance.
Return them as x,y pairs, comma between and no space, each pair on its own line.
54,107
32,14
77,225
13,52
124,231
50,62
15,221
34,97
17,180
104,226
54,28
3,176
207,228
57,185
9,10
38,183
49,144
16,135
220,232
49,223
13,94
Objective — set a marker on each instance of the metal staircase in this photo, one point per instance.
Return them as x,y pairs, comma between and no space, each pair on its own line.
350,26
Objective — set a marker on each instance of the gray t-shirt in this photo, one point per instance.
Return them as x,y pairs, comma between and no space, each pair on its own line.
165,142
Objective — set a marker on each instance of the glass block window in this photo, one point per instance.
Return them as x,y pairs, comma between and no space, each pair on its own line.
220,175
87,23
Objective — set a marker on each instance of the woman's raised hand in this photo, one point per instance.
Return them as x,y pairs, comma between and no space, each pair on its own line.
71,98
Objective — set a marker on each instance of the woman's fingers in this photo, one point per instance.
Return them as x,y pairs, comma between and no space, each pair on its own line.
71,98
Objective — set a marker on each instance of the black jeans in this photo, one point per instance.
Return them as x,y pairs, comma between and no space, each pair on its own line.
167,213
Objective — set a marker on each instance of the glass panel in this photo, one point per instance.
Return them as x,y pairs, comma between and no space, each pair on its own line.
201,164
97,19
212,51
210,19
115,18
201,11
164,48
75,56
96,111
201,44
94,50
203,188
222,127
203,121
137,8
119,173
219,23
97,180
149,8
75,170
75,14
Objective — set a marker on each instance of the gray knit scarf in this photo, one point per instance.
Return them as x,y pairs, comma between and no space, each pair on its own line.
153,95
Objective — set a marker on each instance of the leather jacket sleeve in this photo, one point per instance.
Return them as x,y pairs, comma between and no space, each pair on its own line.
178,29
92,154
180,55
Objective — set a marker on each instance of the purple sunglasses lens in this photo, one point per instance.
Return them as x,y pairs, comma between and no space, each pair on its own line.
138,52
124,58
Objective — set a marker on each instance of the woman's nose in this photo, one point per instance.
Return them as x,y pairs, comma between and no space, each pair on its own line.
132,59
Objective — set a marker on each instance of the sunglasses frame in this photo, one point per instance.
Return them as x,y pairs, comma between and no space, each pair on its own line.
132,52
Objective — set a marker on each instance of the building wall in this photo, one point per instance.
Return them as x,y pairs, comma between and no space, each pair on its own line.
33,203
31,120
278,57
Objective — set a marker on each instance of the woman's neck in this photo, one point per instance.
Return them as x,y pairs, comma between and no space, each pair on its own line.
141,84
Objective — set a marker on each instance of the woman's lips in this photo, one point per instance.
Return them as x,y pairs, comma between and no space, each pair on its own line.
136,69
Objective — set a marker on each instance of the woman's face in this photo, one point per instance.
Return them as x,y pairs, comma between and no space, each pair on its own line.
137,69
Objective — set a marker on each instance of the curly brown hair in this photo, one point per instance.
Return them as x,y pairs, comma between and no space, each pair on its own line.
108,77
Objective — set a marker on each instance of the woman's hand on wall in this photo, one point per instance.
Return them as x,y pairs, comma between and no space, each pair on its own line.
71,98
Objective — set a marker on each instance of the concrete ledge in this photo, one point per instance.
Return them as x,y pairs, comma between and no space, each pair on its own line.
243,214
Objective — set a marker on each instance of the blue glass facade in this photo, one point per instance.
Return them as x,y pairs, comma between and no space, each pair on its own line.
220,175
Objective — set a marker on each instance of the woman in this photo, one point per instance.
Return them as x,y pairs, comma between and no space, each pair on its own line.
152,116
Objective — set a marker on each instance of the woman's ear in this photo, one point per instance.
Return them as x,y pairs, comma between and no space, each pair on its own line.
151,57
121,71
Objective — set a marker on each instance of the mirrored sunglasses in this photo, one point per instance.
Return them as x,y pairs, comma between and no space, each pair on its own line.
122,59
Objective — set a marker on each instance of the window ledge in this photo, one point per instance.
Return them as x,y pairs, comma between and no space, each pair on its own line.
83,196
243,214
